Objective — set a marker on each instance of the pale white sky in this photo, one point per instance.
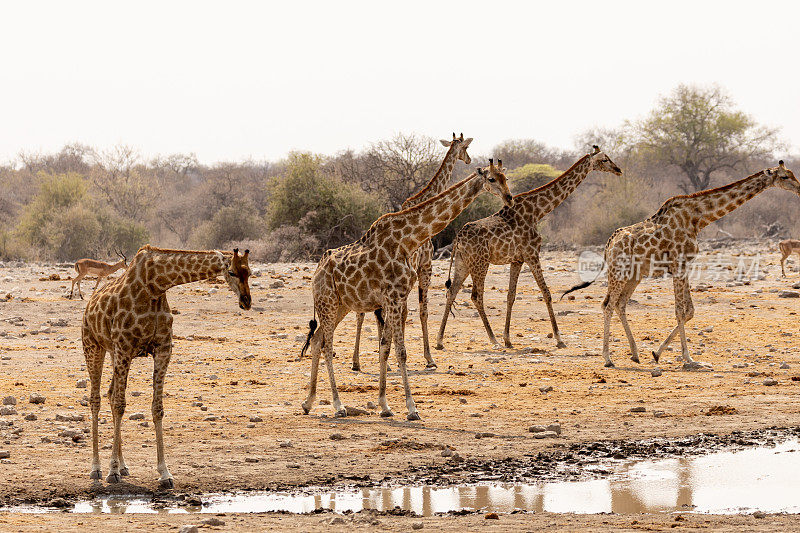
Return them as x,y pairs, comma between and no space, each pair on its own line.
236,80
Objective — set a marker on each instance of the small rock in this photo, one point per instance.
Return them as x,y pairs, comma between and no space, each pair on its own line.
769,382
251,459
69,417
337,520
656,372
371,406
417,525
355,411
256,419
492,516
546,389
759,514
277,284
638,409
462,400
58,502
545,435
537,429
82,383
210,418
213,521
789,294
337,436
189,528
31,417
658,414
7,411
555,428
784,366
213,377
9,400
5,454
136,416
447,452
286,444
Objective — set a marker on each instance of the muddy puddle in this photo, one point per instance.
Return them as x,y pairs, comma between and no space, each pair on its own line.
763,478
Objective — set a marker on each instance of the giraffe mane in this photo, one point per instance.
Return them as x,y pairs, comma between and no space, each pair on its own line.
551,182
670,201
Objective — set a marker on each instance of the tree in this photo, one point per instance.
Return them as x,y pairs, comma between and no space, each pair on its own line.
530,176
699,130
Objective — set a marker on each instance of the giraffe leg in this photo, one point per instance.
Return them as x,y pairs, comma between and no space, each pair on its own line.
117,394
515,269
459,276
161,358
383,356
424,281
326,316
478,281
359,323
94,355
608,306
630,286
667,342
395,319
536,269
684,312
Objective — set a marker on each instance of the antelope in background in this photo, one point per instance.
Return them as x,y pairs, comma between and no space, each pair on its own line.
788,247
92,267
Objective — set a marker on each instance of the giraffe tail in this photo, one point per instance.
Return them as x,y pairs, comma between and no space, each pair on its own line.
312,327
450,268
583,285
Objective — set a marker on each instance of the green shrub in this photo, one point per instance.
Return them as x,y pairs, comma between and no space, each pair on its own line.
230,223
530,176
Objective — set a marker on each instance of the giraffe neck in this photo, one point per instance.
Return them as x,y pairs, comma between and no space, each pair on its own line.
704,207
438,182
544,199
412,227
161,269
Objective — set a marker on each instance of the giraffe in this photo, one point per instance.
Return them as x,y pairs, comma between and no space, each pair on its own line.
511,236
375,272
130,317
667,242
422,258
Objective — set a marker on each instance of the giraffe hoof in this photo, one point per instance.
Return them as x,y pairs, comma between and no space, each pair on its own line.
431,366
609,365
561,344
113,478
656,356
509,345
166,483
635,358
356,368
413,416
439,346
306,410
124,471
96,474
341,413
387,413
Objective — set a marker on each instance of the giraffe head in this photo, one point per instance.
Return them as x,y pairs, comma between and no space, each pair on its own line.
495,182
783,178
460,145
237,275
600,161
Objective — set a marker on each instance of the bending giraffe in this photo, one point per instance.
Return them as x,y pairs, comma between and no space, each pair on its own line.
375,273
788,247
669,237
422,258
130,317
511,236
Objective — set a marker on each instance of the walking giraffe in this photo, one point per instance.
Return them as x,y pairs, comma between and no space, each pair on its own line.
130,317
512,236
422,258
375,272
669,239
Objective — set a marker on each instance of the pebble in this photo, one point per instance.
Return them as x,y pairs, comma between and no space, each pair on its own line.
785,366
545,435
337,436
82,383
789,294
9,400
355,411
658,414
277,284
337,520
136,416
545,390
759,514
537,429
417,525
256,419
638,409
189,528
286,444
31,416
770,382
213,521
371,406
656,372
251,459
7,411
210,418
492,516
447,452
5,454
555,428
69,418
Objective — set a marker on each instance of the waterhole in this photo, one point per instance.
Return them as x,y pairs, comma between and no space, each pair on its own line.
741,481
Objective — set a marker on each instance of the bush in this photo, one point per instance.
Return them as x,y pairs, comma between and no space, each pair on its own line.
620,203
320,205
231,223
283,245
530,176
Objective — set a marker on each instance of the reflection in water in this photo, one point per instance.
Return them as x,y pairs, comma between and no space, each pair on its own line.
766,479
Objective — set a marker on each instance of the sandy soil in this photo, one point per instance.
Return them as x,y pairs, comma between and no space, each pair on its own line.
230,366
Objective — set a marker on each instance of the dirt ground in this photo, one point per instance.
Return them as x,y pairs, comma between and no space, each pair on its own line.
233,418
